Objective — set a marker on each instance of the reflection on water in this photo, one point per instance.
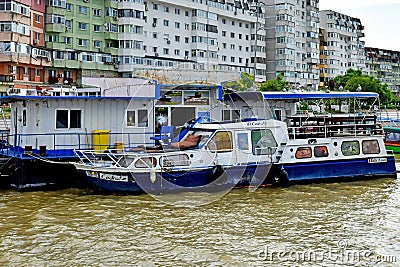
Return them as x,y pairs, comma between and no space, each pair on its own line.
274,227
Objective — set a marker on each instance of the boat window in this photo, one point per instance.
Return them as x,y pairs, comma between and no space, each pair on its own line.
125,161
68,119
321,151
230,115
221,141
370,147
146,162
243,141
303,153
24,117
350,148
263,142
61,119
175,160
138,118
392,136
143,118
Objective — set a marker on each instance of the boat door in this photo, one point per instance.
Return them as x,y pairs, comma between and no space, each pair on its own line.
242,147
181,115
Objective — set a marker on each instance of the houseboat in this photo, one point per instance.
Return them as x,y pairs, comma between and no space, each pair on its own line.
324,143
209,157
47,126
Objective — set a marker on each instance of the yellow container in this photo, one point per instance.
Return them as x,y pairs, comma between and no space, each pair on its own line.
100,140
118,146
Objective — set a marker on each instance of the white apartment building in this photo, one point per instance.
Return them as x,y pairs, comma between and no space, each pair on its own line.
341,45
191,35
292,41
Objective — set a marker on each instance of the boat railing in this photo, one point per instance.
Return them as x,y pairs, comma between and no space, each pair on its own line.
165,161
329,126
64,144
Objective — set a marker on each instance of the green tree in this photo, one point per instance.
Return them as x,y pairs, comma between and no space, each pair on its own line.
277,84
354,78
245,82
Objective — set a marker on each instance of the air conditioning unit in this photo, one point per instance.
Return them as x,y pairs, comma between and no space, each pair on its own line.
36,41
168,41
154,24
186,57
156,54
115,17
85,1
60,75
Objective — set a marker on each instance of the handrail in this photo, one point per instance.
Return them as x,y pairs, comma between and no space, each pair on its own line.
56,147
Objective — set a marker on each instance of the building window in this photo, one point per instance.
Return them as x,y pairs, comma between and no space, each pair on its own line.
166,22
82,26
96,28
82,10
82,42
37,18
96,12
68,119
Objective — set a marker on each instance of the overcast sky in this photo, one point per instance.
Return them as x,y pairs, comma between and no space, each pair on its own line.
381,19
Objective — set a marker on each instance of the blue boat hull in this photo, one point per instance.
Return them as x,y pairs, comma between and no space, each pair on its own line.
339,170
207,180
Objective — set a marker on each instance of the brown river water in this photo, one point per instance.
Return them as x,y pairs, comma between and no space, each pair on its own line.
335,224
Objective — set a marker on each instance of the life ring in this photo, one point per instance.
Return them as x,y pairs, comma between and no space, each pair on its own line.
282,178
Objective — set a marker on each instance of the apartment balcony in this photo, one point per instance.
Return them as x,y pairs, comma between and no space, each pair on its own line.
55,28
56,10
6,78
55,46
111,3
111,50
88,65
59,63
72,64
111,36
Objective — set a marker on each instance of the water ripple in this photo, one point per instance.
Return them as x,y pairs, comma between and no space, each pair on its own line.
75,228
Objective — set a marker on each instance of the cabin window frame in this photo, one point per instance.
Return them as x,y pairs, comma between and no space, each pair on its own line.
135,123
321,151
217,145
368,150
260,137
69,117
346,150
303,152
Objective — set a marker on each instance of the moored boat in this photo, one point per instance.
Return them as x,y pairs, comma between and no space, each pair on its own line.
210,157
324,144
392,138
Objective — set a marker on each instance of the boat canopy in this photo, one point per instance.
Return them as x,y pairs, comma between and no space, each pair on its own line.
15,98
295,95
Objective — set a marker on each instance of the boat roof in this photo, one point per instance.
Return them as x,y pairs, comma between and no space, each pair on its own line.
391,129
297,95
14,98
